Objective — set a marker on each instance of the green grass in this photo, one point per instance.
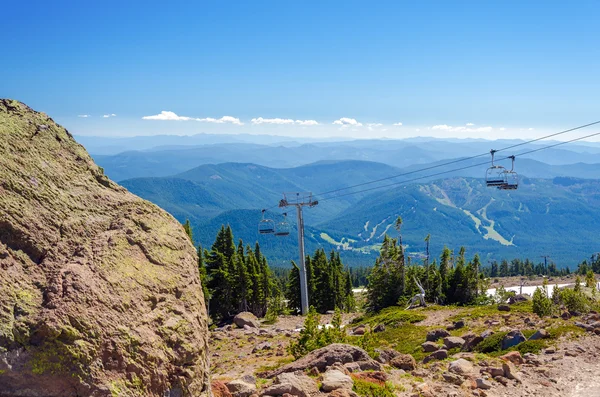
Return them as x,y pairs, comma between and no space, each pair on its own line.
491,344
369,389
391,316
530,346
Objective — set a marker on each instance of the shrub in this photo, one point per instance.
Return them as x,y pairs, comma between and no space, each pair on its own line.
574,300
492,343
530,346
542,305
369,389
312,337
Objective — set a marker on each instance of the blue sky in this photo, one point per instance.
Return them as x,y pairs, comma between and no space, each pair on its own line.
528,67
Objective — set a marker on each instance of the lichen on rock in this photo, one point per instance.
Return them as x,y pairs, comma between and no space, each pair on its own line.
99,289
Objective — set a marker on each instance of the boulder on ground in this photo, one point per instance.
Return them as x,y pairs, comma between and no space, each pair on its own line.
99,289
327,356
453,341
483,384
510,371
461,367
246,319
243,387
379,328
453,378
518,298
386,355
436,355
404,361
342,393
219,389
471,340
429,347
513,338
336,379
297,384
540,334
436,334
513,357
360,330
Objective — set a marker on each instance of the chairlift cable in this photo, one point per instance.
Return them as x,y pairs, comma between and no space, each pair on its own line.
459,160
458,169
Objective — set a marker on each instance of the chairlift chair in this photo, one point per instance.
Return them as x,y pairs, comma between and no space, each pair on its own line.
511,178
283,228
266,226
494,176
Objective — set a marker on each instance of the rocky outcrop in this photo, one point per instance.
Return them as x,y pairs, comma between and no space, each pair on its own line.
327,356
246,319
99,289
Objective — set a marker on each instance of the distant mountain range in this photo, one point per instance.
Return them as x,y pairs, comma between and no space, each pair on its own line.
227,179
556,217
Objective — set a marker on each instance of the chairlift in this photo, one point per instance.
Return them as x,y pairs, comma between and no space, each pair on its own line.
511,179
283,228
495,175
266,226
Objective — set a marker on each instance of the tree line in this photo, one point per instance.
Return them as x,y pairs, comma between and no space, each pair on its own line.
329,284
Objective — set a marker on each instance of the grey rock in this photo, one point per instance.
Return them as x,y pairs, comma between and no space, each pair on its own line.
540,334
513,338
453,341
483,384
436,355
461,367
297,384
246,318
436,334
429,347
335,379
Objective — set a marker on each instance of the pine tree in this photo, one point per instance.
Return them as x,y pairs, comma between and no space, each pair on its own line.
188,230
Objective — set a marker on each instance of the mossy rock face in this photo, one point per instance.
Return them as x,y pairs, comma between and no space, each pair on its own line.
99,289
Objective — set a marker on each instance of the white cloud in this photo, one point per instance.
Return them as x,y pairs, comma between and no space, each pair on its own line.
531,129
470,124
224,119
166,115
398,124
346,121
84,116
502,128
444,127
260,120
372,126
307,122
106,116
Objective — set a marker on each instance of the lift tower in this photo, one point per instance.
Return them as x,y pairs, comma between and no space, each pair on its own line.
300,200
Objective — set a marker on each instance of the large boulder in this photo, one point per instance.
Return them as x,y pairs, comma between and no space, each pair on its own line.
242,387
99,289
245,320
436,334
327,356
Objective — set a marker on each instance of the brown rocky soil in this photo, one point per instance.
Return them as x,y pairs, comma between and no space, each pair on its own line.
99,290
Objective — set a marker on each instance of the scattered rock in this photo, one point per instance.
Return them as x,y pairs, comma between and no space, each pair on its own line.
565,315
452,378
404,361
386,355
219,389
540,334
379,328
513,357
503,308
459,324
513,338
483,384
436,355
518,298
327,356
262,346
510,371
487,333
471,342
377,377
335,379
360,330
342,393
246,318
429,347
243,387
453,341
494,371
297,384
435,335
461,367
502,380
550,350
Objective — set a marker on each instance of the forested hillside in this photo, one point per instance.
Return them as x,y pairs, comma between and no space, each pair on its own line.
456,211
